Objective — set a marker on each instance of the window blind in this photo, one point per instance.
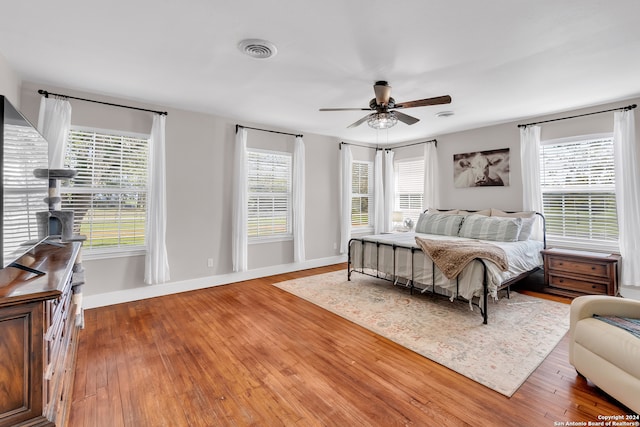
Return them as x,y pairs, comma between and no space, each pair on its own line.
24,194
362,194
269,193
109,193
409,181
578,191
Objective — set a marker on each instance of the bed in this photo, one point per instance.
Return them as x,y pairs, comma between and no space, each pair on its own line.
400,257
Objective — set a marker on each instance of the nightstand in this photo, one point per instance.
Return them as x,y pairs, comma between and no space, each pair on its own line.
573,273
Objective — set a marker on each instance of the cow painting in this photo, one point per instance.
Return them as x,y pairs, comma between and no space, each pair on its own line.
481,169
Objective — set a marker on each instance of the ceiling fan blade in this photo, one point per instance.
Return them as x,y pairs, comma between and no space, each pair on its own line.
383,92
345,109
424,102
359,122
405,118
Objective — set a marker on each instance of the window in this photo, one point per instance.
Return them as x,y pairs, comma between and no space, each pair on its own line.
109,193
409,181
361,194
269,195
578,192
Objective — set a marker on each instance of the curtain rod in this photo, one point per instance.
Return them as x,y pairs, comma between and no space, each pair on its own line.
628,107
46,95
340,144
378,148
415,143
267,130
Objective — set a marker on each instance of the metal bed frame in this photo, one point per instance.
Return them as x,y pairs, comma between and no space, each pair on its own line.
410,281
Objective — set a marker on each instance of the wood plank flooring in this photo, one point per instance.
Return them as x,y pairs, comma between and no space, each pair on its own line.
250,354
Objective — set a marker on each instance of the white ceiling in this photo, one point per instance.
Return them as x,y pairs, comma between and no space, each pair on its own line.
500,60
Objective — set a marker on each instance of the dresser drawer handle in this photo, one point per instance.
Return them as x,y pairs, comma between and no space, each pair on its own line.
561,280
593,267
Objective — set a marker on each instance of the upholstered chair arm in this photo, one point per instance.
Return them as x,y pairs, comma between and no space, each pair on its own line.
603,305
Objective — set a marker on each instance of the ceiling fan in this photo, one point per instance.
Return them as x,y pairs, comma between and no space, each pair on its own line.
385,108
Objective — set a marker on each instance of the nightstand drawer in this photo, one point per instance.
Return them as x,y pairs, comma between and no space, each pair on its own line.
579,267
581,286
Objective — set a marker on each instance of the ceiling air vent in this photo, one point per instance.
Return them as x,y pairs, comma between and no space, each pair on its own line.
444,114
258,49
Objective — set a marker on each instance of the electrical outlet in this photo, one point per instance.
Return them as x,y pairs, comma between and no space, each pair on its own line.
209,262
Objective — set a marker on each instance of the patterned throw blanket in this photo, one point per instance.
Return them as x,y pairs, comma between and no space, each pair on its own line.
628,324
452,256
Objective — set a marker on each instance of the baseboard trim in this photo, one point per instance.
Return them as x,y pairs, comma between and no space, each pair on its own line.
152,291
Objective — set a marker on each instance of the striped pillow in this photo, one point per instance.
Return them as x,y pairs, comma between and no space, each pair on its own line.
528,219
437,223
499,229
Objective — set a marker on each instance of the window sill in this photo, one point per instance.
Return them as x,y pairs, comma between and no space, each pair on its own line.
583,245
269,239
107,253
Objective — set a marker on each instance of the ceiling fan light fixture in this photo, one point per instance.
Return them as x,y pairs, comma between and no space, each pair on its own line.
258,48
382,120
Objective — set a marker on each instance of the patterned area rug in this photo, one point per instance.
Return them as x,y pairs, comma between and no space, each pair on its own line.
501,355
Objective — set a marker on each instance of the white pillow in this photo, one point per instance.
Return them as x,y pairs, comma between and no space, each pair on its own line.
485,212
437,211
528,219
498,229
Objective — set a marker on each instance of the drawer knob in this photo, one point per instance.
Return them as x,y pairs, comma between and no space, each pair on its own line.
593,267
593,286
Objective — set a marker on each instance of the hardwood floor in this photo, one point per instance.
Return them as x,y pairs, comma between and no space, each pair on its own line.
251,354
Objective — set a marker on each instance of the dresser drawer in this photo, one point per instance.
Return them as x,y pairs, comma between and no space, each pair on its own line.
581,286
579,267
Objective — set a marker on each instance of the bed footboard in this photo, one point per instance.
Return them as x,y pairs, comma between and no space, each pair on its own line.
405,275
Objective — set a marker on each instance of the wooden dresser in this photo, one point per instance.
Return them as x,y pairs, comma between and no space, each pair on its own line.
573,273
38,336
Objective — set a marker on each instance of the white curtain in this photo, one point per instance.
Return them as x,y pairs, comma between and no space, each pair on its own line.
530,166
627,195
430,197
239,236
156,262
389,190
298,200
345,197
54,123
378,195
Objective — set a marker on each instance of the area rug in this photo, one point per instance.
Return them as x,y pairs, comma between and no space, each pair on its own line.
520,334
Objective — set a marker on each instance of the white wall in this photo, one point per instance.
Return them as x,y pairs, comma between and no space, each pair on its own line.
9,83
199,153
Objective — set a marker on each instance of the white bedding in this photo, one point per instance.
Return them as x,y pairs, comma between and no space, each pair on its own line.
522,255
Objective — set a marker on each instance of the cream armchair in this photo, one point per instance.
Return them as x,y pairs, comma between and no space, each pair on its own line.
605,354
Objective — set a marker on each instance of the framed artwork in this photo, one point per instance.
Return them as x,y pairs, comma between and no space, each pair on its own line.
481,169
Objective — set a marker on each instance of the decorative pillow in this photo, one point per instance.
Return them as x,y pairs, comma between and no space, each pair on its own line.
498,229
485,212
528,219
438,223
436,211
